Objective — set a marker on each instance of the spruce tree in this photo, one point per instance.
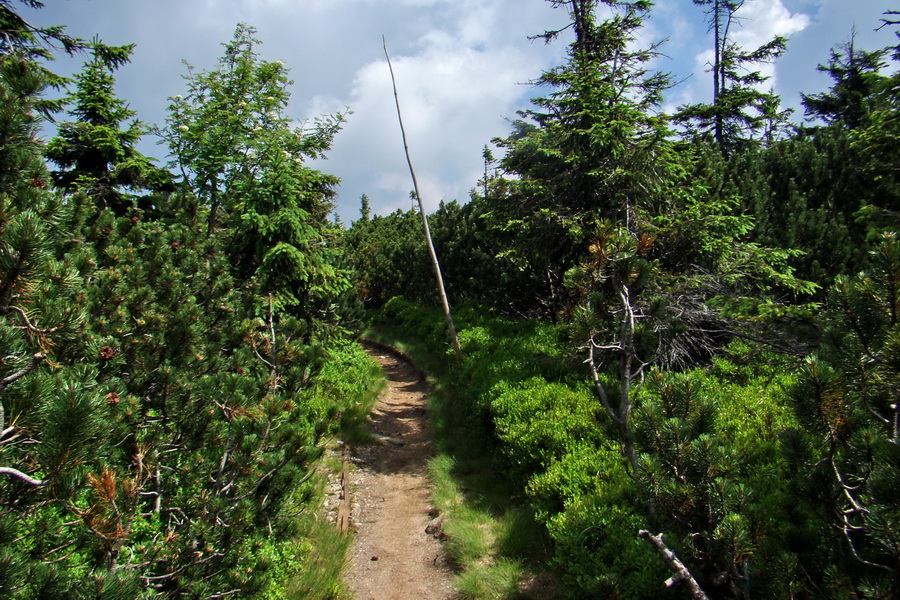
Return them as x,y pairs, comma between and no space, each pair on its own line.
97,153
856,75
235,148
590,151
224,131
739,113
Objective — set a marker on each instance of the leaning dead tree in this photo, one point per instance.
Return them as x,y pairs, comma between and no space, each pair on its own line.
434,259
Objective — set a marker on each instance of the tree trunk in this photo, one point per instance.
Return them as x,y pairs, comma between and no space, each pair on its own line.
445,303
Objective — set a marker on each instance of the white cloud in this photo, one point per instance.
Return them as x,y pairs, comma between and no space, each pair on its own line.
762,20
454,90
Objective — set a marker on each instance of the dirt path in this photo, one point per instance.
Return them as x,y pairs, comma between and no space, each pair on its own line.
393,557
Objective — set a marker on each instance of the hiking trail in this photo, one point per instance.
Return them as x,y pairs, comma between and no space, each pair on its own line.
393,557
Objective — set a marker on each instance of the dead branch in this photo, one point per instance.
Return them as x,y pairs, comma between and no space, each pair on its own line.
28,324
681,572
37,359
20,475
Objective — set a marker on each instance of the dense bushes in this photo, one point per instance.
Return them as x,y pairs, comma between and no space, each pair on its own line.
164,390
169,454
717,475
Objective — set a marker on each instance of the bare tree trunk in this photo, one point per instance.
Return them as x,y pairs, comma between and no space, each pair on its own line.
717,74
434,259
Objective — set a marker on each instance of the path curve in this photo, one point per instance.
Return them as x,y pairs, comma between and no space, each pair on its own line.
393,558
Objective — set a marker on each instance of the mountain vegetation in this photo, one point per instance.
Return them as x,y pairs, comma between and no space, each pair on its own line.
676,328
168,335
680,342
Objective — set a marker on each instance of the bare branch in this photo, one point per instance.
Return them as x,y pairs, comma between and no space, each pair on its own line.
681,572
37,359
29,325
601,390
445,302
20,475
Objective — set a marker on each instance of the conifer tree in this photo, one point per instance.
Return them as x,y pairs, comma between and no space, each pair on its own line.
856,76
51,414
154,418
739,112
847,404
692,472
18,35
225,131
591,150
236,149
97,153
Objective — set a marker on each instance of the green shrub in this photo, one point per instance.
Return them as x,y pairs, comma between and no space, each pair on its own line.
599,554
539,422
582,470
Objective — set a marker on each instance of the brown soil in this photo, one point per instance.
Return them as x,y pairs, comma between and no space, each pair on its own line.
393,557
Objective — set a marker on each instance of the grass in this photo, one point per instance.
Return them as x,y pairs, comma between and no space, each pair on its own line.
496,581
315,561
321,576
492,546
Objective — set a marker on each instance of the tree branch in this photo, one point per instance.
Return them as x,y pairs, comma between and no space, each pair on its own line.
4,383
598,386
20,475
28,324
681,572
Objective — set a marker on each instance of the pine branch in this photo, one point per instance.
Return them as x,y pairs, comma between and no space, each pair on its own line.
847,528
599,387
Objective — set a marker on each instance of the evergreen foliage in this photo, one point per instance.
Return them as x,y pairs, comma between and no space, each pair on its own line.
161,402
231,129
593,150
856,75
846,401
95,154
739,113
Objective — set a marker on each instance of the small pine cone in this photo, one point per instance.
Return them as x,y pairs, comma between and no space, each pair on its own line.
107,352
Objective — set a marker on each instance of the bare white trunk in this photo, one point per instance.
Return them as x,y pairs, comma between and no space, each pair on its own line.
434,259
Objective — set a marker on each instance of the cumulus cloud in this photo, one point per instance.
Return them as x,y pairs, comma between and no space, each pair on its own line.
760,22
455,91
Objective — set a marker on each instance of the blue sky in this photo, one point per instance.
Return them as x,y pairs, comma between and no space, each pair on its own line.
462,68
